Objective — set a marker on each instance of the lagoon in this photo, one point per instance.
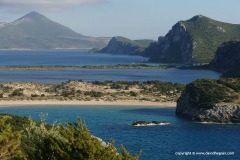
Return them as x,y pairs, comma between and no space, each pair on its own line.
58,76
64,57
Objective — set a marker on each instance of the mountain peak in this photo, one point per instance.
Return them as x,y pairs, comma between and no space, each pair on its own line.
198,17
30,17
33,14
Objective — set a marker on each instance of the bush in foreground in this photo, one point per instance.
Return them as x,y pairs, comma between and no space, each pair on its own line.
40,141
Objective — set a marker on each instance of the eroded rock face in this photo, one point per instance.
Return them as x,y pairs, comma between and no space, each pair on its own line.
217,114
211,101
193,41
227,57
175,47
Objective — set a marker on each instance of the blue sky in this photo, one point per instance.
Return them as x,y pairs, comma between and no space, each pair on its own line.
135,19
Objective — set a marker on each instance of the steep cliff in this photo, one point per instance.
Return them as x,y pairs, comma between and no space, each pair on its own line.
121,45
227,57
211,101
192,41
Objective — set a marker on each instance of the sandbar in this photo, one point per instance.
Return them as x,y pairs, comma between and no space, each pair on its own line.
86,103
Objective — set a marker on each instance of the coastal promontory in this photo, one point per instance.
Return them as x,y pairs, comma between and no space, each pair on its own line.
122,45
211,101
227,60
194,41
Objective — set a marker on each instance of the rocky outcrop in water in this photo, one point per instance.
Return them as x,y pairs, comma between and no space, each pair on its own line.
194,41
211,101
147,123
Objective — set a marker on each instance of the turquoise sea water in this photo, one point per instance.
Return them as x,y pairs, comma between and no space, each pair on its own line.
156,142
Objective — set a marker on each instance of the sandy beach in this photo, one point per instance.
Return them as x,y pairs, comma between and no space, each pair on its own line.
86,103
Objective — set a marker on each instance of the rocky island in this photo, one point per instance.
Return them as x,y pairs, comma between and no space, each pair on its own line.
211,101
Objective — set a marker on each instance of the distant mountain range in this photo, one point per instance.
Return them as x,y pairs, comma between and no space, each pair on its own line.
122,45
35,31
193,41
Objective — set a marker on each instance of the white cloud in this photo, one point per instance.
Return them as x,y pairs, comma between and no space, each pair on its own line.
44,4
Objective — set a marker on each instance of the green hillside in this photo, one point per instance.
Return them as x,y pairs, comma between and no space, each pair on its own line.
205,93
122,45
208,35
193,41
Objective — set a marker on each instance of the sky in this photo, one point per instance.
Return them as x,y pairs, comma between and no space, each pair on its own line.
134,19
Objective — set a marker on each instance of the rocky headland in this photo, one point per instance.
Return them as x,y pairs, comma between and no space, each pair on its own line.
122,45
211,101
194,41
227,60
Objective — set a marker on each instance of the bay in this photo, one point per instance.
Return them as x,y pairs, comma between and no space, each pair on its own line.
156,142
58,76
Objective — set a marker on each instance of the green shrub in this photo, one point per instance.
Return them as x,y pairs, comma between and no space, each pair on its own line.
40,141
34,95
9,140
17,92
93,94
133,94
205,93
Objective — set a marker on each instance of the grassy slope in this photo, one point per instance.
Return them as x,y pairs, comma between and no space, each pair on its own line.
208,36
205,92
141,44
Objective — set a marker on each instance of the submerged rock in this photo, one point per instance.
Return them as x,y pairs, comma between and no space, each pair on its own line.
148,123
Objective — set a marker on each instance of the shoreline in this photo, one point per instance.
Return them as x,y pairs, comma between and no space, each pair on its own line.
86,103
62,67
